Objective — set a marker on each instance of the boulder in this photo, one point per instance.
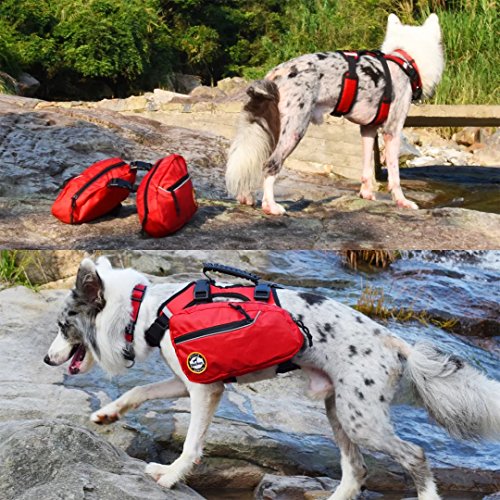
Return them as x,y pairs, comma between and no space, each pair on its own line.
27,85
274,487
57,459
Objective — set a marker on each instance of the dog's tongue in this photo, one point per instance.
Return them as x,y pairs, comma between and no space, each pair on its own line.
76,360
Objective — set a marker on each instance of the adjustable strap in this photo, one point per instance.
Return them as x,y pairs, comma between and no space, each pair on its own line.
141,165
136,299
409,66
349,88
155,333
385,103
120,183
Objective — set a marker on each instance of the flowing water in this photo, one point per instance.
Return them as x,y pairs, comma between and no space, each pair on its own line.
443,284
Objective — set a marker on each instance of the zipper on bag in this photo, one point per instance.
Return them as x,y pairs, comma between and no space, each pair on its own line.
217,330
75,197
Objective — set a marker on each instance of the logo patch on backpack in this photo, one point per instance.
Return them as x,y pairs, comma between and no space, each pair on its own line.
196,362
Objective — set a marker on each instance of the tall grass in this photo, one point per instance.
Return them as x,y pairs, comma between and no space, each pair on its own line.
13,265
471,38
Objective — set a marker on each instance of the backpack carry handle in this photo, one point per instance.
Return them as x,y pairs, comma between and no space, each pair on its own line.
141,165
231,271
120,183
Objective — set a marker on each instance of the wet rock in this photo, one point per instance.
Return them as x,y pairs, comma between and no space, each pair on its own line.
54,458
292,488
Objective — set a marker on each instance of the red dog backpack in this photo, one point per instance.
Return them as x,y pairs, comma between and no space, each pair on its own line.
165,197
220,340
96,191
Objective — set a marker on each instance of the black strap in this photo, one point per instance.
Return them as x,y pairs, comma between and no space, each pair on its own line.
155,333
120,183
141,165
287,366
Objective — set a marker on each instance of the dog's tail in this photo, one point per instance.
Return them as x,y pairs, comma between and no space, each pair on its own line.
459,397
255,140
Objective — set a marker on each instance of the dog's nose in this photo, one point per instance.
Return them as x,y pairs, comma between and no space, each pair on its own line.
48,361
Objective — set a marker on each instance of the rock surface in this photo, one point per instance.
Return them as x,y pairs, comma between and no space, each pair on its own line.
268,427
46,459
43,144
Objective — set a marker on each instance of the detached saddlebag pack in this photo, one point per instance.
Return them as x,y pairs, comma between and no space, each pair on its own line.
96,191
165,197
223,340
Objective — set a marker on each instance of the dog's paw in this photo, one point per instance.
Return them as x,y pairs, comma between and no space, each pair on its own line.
156,471
367,194
246,199
404,203
104,417
273,208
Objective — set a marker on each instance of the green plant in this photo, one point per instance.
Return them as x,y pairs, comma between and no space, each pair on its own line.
13,266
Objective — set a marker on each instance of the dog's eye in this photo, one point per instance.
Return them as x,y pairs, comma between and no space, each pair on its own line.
72,313
62,326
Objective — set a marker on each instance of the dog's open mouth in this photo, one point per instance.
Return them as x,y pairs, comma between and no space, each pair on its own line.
78,355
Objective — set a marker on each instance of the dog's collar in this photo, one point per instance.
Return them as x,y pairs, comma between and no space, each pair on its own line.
409,66
136,298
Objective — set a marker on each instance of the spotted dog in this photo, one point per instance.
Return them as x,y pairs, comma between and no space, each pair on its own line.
302,90
354,364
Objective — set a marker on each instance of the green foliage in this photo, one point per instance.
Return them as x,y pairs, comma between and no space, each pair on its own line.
13,269
109,39
471,35
133,45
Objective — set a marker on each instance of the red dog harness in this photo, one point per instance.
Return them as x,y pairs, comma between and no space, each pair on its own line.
350,80
221,340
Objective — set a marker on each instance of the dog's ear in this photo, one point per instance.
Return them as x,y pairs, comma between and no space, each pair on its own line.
89,286
104,263
432,23
393,21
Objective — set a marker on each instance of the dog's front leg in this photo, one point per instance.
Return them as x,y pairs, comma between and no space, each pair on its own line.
368,135
392,144
269,204
204,402
171,388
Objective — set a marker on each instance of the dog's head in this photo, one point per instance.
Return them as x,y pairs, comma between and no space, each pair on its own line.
423,43
76,337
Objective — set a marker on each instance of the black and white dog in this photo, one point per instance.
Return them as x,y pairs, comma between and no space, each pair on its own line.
302,90
354,364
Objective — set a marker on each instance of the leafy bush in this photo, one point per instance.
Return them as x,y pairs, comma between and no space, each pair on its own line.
133,45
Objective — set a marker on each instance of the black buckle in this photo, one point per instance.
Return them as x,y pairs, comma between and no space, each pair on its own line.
156,331
202,291
262,291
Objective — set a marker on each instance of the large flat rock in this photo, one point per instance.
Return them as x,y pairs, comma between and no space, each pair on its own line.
334,223
43,144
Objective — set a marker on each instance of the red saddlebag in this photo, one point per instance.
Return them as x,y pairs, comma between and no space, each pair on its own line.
96,191
223,340
165,197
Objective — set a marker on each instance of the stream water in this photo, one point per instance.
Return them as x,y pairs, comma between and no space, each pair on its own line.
465,285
